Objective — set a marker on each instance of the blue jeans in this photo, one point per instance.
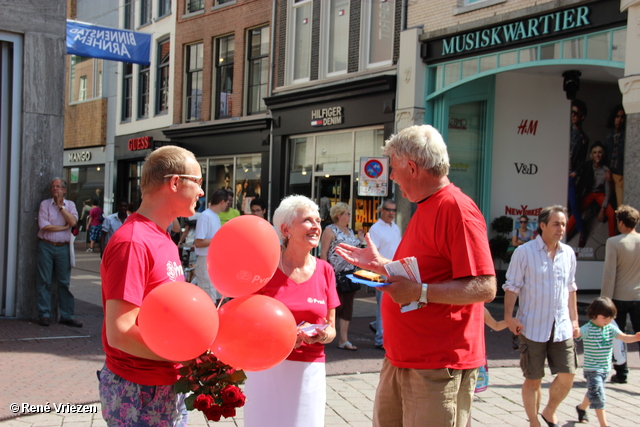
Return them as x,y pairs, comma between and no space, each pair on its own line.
378,322
54,260
125,403
595,388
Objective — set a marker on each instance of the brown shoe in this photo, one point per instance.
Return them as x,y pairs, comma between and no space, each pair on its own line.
44,321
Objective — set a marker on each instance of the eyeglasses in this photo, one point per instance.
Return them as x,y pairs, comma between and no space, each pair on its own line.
389,210
193,178
524,222
575,112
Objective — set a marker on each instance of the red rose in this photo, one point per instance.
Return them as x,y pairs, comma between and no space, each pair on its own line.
213,413
240,402
228,411
203,402
231,394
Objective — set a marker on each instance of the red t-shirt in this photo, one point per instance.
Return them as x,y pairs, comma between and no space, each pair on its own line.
95,213
309,301
448,236
140,256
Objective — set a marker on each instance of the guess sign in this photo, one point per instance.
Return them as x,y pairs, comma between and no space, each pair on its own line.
140,143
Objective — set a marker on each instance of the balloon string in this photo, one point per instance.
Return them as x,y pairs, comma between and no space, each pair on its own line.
220,303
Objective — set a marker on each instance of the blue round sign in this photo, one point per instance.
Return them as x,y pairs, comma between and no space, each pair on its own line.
373,169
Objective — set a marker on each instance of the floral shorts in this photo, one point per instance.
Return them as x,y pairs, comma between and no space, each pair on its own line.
128,404
94,232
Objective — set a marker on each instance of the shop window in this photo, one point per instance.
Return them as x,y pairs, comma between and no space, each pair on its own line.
598,46
299,56
164,8
241,175
127,89
258,70
128,22
145,12
378,20
143,91
225,48
334,33
162,76
85,76
194,6
334,152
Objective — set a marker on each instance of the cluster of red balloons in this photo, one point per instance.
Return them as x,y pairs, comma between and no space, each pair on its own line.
179,321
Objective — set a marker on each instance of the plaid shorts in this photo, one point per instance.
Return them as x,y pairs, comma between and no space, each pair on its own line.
129,404
94,232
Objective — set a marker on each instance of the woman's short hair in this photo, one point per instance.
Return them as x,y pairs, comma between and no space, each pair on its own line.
628,215
166,160
601,306
337,210
423,145
545,214
288,210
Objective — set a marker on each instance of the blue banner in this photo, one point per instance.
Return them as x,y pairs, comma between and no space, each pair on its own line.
93,41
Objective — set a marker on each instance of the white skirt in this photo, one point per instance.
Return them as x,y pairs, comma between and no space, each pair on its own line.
290,394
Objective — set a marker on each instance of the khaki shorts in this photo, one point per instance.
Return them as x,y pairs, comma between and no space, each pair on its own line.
561,356
423,397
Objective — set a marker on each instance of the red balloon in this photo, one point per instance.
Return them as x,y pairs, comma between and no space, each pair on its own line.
256,333
243,256
178,321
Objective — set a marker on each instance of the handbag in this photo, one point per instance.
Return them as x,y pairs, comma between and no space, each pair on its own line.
344,284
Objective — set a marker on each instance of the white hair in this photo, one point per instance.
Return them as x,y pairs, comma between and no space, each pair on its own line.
423,145
288,210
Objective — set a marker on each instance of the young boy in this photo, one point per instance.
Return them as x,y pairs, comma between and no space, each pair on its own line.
598,335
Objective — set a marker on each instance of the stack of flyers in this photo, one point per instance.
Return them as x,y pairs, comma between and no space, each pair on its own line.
406,267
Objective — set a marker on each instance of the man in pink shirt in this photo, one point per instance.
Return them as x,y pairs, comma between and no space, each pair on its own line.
136,385
56,217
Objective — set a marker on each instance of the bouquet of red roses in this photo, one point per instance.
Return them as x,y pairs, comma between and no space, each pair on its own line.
212,387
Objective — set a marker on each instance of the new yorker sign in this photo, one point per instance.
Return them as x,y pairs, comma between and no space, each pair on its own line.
533,29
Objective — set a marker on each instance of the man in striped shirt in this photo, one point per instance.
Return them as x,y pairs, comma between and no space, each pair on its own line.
541,276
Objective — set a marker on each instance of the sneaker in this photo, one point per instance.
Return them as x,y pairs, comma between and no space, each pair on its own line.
618,380
89,250
582,415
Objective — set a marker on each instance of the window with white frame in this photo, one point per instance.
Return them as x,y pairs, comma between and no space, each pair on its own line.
162,76
128,22
164,7
378,19
193,78
85,76
299,56
143,91
258,69
225,49
145,12
127,91
335,36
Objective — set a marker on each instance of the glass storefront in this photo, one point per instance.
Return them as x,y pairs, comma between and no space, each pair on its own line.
327,165
239,174
84,184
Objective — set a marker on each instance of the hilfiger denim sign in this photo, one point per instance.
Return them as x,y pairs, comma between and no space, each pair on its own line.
327,116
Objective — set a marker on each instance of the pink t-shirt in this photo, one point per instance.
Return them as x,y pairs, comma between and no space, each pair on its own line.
309,301
140,256
95,213
448,236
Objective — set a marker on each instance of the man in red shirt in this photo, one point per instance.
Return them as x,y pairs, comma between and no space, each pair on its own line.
136,385
434,351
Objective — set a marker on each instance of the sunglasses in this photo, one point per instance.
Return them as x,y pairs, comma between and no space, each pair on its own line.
389,210
193,178
524,222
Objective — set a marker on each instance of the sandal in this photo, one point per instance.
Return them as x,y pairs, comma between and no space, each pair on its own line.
347,346
582,415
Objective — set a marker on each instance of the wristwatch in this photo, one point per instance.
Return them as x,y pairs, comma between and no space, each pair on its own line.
423,295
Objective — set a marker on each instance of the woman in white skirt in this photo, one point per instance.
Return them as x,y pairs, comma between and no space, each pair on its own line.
293,393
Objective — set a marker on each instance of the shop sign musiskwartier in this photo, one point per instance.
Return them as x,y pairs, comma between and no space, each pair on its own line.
327,116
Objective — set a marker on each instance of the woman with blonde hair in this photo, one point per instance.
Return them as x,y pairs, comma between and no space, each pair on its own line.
334,234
